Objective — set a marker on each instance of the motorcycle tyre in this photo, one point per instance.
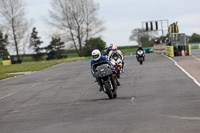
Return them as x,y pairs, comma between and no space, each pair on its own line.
118,73
108,90
141,62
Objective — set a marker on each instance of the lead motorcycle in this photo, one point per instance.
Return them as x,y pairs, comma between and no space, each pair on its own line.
117,63
140,56
104,75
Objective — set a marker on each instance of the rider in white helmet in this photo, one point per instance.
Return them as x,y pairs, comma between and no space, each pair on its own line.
96,57
118,53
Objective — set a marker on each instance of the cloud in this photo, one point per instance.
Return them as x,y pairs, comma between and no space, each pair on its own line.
121,16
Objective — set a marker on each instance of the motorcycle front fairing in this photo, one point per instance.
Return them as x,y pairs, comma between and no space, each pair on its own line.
103,70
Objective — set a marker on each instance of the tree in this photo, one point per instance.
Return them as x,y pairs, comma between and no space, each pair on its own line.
14,21
141,37
76,21
93,43
194,38
55,48
35,44
3,44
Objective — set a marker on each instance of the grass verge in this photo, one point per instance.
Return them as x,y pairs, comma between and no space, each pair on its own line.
31,66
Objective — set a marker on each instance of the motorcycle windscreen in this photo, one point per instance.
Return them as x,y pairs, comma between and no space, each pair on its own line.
103,70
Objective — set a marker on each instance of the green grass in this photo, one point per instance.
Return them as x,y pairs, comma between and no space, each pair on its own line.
129,51
31,66
35,66
71,55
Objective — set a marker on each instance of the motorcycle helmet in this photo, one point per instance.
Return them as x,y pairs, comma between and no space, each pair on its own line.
111,45
114,48
96,54
139,46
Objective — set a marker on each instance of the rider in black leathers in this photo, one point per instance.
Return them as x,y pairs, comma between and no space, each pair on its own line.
107,50
139,48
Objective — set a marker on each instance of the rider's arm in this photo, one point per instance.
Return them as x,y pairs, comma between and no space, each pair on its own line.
92,62
120,53
105,59
109,55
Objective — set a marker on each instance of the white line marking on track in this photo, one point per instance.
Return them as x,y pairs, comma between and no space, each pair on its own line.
195,57
190,76
186,118
195,101
7,95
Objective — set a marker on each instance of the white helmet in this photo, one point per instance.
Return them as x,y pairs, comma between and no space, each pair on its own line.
96,54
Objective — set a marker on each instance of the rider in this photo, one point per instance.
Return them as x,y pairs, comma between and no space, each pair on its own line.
96,57
139,48
108,49
119,54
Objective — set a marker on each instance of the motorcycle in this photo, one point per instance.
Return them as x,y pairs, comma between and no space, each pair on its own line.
140,56
117,63
106,52
106,79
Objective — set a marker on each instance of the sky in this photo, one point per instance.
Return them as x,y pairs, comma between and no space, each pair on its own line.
122,16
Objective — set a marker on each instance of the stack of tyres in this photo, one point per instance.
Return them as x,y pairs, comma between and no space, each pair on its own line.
169,51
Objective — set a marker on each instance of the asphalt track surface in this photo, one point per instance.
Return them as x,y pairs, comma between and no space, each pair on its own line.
156,97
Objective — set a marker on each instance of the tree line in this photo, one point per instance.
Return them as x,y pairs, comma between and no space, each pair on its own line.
74,24
146,39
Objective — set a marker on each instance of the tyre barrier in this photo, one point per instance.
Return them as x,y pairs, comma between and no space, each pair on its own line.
172,51
6,62
169,51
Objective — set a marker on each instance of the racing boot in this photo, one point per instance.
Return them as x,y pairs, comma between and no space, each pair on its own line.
118,83
100,89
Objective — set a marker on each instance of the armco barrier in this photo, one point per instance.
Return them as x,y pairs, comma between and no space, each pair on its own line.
6,62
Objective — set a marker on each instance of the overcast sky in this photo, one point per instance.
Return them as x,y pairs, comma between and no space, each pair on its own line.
121,16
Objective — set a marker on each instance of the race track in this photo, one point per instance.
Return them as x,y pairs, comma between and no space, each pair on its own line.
156,97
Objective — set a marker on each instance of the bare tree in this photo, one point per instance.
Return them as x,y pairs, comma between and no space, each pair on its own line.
14,21
141,37
76,21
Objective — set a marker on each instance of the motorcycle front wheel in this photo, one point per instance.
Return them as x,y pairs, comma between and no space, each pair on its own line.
108,90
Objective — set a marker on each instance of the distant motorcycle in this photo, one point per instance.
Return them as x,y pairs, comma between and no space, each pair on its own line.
104,73
105,51
140,56
117,63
